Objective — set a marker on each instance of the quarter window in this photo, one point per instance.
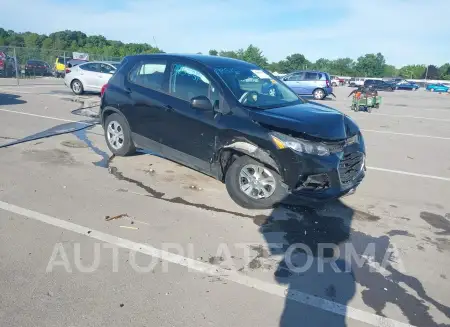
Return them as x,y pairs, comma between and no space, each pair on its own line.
187,83
149,74
311,76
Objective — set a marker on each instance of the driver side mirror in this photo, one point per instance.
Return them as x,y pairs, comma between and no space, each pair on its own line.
285,78
201,103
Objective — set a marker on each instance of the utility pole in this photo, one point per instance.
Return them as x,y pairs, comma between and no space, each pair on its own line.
17,68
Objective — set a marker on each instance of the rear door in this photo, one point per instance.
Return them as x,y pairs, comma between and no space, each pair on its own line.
146,87
311,82
89,76
294,81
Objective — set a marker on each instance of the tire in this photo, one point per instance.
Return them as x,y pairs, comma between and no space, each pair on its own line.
319,94
124,145
77,87
233,184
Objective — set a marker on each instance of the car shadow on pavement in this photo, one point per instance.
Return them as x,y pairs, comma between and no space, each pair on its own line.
10,99
324,259
307,240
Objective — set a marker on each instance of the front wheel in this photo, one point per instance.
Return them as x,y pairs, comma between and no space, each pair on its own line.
118,136
252,185
319,94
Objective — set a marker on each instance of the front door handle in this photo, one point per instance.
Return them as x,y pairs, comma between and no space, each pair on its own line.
168,108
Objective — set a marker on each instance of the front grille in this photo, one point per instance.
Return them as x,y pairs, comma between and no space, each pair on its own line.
350,166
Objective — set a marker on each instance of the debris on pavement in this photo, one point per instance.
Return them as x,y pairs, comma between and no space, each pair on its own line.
108,218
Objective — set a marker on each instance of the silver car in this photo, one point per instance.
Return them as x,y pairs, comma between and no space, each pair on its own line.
90,76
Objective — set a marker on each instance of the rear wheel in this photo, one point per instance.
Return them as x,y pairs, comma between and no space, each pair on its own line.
319,94
253,185
77,87
118,135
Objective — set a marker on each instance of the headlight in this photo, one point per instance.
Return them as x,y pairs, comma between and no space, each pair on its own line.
283,141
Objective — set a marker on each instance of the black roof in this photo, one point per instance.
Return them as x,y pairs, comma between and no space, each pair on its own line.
212,61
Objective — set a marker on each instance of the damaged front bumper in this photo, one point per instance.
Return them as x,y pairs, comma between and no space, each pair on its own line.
310,178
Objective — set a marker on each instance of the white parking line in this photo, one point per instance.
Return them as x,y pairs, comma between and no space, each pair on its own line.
205,268
41,116
406,134
413,117
447,179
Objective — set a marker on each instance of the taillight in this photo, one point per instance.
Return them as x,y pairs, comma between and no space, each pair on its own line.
67,70
104,87
328,83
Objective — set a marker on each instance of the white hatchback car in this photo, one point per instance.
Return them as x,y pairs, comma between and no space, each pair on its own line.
90,76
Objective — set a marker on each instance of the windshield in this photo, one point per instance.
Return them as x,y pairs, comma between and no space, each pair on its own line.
257,88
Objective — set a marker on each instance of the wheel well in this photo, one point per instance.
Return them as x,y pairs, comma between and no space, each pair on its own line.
75,79
106,113
228,155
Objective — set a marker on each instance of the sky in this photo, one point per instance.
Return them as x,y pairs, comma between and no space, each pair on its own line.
404,31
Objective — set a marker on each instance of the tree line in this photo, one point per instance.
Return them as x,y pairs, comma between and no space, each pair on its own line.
371,64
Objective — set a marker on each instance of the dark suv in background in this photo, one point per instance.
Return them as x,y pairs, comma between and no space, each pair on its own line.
37,68
218,116
378,85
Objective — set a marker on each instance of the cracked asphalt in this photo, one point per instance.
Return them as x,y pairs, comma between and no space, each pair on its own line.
87,239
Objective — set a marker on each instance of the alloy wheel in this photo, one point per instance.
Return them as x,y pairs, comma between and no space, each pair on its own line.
115,135
256,181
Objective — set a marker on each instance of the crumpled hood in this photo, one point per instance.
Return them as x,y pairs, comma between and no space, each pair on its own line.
316,120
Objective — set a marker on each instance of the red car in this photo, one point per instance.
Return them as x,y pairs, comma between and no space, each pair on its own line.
7,66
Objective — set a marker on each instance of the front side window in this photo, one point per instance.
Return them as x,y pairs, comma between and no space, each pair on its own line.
187,83
149,74
295,77
256,88
106,68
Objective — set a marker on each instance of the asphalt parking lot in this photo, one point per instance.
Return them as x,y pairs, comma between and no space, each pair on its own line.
91,240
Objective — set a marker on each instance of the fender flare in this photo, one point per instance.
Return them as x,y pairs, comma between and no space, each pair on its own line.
111,110
253,151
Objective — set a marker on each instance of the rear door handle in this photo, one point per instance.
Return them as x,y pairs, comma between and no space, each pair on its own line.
168,108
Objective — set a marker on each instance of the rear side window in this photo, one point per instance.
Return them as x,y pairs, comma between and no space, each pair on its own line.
309,76
90,67
187,82
149,74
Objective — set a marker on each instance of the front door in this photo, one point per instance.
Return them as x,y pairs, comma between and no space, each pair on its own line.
193,131
294,81
105,73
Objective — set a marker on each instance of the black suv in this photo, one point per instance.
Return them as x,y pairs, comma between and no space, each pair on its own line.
378,85
218,116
